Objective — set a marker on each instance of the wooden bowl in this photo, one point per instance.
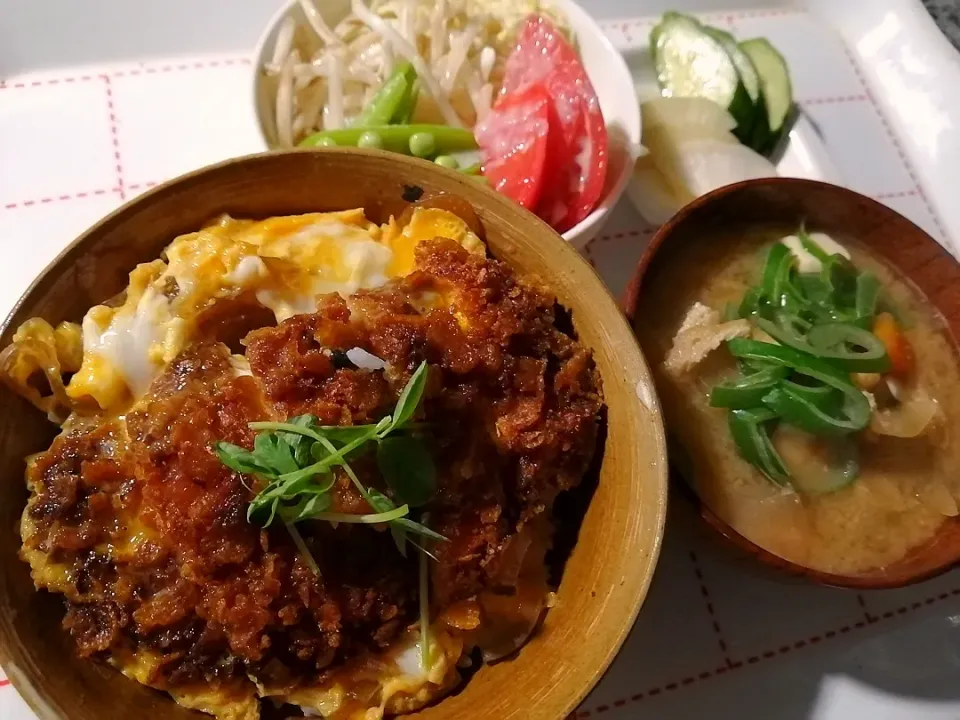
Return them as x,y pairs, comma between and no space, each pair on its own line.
608,571
785,202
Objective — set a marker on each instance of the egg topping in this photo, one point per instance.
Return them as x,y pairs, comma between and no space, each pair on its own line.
286,263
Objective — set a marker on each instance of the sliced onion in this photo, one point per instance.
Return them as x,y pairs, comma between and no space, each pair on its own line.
364,360
818,465
909,419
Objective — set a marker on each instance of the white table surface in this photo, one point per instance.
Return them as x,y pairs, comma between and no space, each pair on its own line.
100,99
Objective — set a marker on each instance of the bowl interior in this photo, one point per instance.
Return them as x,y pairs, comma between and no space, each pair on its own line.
843,214
605,66
608,571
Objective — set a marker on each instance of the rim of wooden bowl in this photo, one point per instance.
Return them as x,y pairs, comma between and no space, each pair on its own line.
608,572
889,235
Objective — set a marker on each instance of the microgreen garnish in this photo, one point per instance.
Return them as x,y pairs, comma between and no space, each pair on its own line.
295,462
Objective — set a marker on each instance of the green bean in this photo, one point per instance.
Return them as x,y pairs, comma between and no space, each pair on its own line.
396,138
422,144
370,139
405,109
447,161
391,97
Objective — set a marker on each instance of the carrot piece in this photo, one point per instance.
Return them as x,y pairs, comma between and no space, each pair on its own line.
886,328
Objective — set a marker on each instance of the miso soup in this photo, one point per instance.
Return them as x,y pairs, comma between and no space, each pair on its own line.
815,393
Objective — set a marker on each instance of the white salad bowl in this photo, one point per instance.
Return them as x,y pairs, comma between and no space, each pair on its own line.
605,67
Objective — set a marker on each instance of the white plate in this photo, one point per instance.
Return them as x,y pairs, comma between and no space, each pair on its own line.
606,69
102,99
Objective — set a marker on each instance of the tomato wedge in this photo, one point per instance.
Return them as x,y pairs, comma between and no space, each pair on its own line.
578,155
513,139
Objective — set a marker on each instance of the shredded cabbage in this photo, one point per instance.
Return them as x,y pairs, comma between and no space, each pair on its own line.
323,77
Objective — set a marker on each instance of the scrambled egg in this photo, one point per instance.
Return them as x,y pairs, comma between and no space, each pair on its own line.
285,262
405,684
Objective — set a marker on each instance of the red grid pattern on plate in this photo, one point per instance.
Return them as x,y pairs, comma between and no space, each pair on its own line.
727,17
894,141
834,99
114,137
714,620
770,654
128,72
59,198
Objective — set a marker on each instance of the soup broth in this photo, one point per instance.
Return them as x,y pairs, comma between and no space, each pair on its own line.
906,487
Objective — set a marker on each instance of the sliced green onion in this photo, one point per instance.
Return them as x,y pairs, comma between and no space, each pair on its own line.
747,392
800,412
752,438
779,260
840,277
854,413
849,347
751,303
811,246
818,465
821,396
783,290
846,346
813,288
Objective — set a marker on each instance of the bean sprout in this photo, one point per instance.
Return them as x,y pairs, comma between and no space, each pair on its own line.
333,111
326,75
409,53
316,21
285,100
